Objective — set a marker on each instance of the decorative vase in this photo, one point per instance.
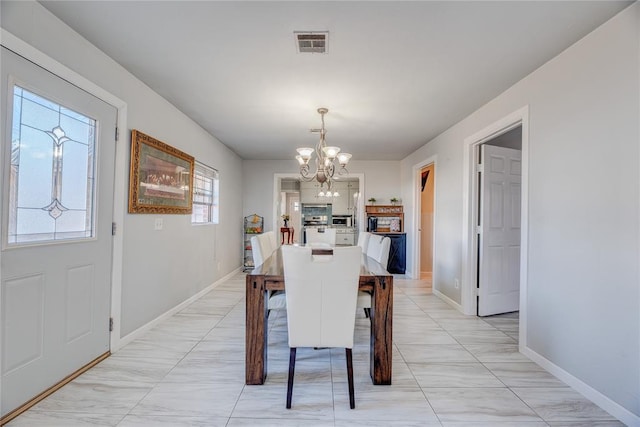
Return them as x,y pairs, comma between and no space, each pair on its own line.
286,223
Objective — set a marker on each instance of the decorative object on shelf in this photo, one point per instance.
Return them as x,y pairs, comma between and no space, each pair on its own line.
160,178
394,201
253,224
385,218
372,200
285,218
325,161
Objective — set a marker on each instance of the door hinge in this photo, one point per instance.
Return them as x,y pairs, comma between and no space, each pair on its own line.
480,168
111,324
113,228
117,135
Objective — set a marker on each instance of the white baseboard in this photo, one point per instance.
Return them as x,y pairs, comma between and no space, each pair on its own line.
448,300
613,408
144,328
621,413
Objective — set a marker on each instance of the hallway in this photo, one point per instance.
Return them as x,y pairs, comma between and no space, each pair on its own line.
448,370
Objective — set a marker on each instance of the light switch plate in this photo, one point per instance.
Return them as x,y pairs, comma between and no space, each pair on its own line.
158,225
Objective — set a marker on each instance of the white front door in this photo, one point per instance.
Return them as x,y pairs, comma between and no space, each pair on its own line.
57,160
499,245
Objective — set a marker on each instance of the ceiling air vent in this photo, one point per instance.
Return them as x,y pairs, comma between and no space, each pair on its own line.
312,42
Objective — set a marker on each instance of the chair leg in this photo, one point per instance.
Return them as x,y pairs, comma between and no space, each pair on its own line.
352,398
367,312
292,368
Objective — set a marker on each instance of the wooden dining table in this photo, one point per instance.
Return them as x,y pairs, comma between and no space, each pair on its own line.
270,277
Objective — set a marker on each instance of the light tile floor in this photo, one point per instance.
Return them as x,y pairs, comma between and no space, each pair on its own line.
448,370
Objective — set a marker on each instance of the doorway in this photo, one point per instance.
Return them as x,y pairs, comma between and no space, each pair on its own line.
423,240
427,175
498,219
289,183
518,118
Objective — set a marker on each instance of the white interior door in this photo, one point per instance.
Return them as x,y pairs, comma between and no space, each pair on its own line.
58,151
499,231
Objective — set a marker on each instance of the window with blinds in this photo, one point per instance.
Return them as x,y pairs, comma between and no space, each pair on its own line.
205,195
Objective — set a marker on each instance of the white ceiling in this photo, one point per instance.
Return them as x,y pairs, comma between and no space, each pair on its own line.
396,73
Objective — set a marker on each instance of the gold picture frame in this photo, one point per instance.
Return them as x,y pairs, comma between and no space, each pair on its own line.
160,177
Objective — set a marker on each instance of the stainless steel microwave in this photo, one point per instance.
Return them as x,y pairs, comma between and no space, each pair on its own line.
342,220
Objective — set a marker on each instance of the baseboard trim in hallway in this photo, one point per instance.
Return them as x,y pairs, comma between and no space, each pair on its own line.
24,407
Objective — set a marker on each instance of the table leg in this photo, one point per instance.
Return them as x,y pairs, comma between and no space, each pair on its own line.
381,345
256,331
291,231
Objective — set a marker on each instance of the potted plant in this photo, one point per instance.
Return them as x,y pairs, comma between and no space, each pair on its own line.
372,200
285,218
394,201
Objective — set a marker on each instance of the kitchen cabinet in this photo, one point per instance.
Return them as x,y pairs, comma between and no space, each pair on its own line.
397,252
345,236
309,192
352,188
340,203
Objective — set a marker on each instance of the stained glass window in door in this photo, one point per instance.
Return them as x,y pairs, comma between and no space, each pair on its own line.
52,171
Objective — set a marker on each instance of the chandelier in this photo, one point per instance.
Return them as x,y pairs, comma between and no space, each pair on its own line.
325,161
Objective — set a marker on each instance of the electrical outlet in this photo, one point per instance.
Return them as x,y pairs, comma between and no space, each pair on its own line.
158,224
457,283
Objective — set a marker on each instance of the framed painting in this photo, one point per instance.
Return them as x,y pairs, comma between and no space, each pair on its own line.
160,177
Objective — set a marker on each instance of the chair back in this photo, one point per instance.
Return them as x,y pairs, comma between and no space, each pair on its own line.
378,249
256,251
321,235
265,245
321,296
273,241
363,240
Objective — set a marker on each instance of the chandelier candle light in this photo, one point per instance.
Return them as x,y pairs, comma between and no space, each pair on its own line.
325,161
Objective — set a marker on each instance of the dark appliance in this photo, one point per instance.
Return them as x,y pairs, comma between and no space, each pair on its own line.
372,224
397,252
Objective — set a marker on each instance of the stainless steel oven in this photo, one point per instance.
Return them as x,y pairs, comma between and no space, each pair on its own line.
315,220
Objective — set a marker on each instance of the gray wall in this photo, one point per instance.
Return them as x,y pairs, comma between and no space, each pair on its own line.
583,248
163,268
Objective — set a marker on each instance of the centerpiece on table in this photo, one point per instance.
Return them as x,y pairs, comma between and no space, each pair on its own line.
285,218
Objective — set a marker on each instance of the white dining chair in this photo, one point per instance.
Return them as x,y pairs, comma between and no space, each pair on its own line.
321,302
378,248
261,250
321,235
363,240
257,251
273,241
265,244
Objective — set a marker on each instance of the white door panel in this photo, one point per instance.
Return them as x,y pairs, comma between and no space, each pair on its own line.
55,294
499,264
